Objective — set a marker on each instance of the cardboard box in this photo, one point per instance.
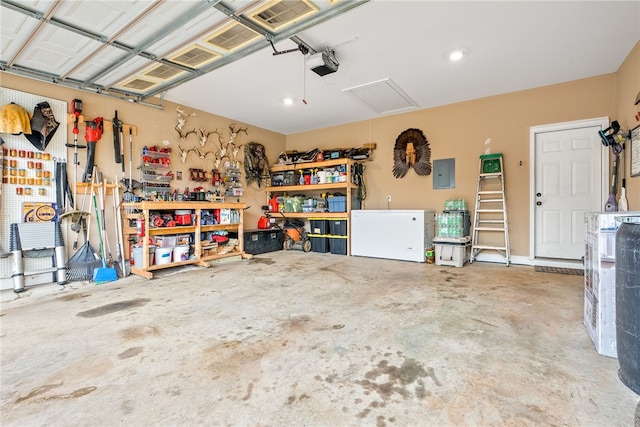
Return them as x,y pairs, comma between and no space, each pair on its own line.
210,248
600,311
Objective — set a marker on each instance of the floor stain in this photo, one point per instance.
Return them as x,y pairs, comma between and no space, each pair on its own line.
296,323
449,272
449,275
173,391
38,391
228,357
432,374
136,332
127,407
332,269
391,305
331,378
249,391
421,391
73,395
484,323
300,398
387,380
267,261
113,307
77,393
224,344
72,297
130,352
364,413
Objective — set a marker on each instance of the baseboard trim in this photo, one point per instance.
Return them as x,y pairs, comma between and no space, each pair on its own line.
499,259
523,260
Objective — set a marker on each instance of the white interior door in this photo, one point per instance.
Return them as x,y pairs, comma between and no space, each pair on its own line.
568,167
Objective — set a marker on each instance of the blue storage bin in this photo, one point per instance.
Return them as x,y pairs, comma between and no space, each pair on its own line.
337,204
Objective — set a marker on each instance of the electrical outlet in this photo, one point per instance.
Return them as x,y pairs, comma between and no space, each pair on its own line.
388,199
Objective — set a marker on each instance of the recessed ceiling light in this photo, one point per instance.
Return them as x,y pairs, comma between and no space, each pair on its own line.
457,55
288,101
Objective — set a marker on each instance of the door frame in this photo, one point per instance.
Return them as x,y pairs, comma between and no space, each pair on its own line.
603,122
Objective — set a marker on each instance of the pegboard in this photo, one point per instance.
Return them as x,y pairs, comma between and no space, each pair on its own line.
25,167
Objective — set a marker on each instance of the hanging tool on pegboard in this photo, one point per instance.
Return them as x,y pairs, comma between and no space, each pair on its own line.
117,141
76,109
93,133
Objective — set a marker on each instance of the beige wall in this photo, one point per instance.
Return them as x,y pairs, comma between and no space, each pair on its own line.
628,87
153,126
454,131
460,130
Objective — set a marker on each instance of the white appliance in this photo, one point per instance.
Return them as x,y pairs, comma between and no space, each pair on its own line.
394,234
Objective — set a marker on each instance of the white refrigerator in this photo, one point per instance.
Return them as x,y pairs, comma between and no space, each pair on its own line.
394,234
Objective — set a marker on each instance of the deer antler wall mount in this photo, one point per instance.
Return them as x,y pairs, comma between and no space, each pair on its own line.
182,119
202,155
233,134
204,135
183,153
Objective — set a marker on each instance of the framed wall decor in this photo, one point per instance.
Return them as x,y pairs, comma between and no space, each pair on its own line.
635,151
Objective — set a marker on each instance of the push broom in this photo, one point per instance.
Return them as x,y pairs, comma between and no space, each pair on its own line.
102,274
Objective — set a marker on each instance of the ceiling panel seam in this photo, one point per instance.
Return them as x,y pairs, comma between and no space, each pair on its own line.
35,32
112,39
154,38
75,84
131,51
60,24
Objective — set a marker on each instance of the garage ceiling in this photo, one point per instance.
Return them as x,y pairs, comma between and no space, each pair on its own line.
241,59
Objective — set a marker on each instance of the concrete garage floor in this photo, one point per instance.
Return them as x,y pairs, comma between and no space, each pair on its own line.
293,339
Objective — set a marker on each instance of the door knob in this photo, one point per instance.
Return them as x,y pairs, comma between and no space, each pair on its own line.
539,203
538,194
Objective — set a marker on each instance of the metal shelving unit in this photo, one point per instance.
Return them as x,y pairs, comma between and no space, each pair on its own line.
155,170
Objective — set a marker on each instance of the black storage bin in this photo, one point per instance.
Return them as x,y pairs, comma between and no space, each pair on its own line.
466,221
319,243
338,245
318,226
338,227
262,241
